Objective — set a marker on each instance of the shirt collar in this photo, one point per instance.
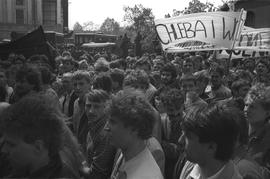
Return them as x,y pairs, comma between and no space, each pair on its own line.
227,171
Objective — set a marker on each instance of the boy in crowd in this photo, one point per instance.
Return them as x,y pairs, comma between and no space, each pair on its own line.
210,137
34,139
218,90
173,102
131,123
190,90
28,82
82,85
100,153
139,80
69,96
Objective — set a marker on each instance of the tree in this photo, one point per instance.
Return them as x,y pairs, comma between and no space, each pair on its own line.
110,26
90,26
195,6
141,20
138,16
77,27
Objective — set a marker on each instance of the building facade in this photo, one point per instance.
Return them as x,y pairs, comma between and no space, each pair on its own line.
258,12
22,16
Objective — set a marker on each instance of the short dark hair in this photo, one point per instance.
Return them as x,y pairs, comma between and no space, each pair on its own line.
137,79
134,111
103,81
31,75
215,124
143,61
264,62
202,77
81,74
97,96
117,75
33,119
188,60
42,58
168,67
218,70
238,84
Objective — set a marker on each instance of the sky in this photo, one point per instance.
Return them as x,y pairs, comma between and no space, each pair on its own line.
98,10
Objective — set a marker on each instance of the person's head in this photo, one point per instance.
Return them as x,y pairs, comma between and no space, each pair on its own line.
197,61
18,61
202,81
38,60
27,79
67,82
117,77
132,119
188,66
249,64
96,104
240,88
157,64
137,79
67,64
66,54
122,64
168,73
82,82
258,104
83,65
262,67
32,133
103,81
188,83
244,75
46,75
143,64
210,135
173,101
216,75
101,65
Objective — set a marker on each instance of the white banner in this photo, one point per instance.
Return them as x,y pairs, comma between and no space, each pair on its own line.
254,39
242,54
200,31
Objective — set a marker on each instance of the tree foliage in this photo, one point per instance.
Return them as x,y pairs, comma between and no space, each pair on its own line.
141,20
195,6
77,27
90,26
110,26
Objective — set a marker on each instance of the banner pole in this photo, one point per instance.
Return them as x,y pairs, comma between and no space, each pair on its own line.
237,33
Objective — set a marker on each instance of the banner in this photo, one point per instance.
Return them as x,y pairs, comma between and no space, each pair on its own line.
241,54
31,44
254,39
200,31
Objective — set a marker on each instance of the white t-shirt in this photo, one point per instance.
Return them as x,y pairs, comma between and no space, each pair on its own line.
142,166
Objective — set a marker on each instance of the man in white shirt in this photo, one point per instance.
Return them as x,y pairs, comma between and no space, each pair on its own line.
131,123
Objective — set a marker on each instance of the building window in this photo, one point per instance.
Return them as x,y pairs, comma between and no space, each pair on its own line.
19,2
19,16
49,12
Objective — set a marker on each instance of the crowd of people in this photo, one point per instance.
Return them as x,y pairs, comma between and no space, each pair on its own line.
101,116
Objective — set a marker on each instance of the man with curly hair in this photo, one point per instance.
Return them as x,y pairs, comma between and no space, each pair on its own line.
131,123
